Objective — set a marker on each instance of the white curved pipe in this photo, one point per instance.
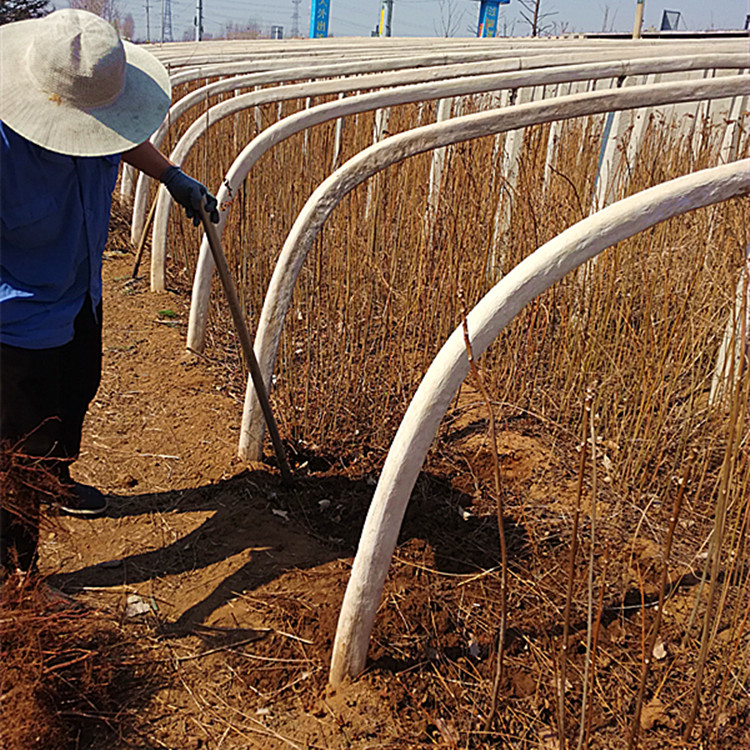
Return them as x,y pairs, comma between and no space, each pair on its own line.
526,281
192,56
282,71
204,56
227,108
396,71
204,66
250,59
249,72
398,147
364,102
532,57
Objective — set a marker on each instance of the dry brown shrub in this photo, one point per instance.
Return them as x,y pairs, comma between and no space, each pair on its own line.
71,676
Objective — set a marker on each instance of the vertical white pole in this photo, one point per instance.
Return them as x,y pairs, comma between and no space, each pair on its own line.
127,181
509,164
731,141
382,119
438,157
436,170
732,346
337,140
638,20
552,140
639,124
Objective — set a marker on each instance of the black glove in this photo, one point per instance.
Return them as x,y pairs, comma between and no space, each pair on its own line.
189,194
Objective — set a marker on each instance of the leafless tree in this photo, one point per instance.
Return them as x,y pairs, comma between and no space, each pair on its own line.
533,15
450,18
127,27
107,9
606,18
250,30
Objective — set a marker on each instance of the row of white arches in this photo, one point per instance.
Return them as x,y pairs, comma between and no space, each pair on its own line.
557,80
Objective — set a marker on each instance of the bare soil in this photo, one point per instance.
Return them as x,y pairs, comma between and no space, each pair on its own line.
240,578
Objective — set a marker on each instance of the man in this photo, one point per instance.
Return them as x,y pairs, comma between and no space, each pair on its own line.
74,100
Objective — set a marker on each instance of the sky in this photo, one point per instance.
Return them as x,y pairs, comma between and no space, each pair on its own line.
432,17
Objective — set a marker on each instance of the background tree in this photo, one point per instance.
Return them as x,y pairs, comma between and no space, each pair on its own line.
534,16
450,19
107,9
20,10
250,30
127,27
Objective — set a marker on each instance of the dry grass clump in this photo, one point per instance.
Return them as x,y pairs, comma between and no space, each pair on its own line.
71,677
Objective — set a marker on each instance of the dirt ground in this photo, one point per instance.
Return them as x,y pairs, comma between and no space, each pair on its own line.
229,582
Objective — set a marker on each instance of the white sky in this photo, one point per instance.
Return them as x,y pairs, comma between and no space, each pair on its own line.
429,17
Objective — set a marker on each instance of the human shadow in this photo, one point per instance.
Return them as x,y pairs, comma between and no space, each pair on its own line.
281,527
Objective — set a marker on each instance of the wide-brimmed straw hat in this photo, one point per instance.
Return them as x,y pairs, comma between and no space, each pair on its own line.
70,84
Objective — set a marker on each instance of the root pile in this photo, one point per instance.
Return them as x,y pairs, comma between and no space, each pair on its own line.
71,677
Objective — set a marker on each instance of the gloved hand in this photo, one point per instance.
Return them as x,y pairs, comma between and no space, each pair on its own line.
189,194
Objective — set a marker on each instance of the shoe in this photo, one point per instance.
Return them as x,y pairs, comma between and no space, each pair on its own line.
84,501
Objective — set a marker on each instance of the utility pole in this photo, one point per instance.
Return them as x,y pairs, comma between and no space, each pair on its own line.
198,20
386,15
148,24
638,20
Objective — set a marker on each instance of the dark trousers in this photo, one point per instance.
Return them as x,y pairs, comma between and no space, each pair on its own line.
44,396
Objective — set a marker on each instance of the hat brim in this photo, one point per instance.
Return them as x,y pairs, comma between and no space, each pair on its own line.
52,123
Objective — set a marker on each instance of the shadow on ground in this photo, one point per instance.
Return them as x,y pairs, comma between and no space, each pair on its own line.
278,527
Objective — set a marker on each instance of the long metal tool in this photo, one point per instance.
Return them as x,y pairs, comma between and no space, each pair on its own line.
220,260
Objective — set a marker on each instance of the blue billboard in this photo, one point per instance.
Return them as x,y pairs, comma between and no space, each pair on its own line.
319,12
489,12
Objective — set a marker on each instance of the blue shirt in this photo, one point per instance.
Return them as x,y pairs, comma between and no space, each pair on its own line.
54,220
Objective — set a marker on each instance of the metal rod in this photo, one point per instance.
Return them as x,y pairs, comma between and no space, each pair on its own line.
142,241
214,242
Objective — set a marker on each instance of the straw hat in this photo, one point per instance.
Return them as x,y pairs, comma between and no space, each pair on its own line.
70,84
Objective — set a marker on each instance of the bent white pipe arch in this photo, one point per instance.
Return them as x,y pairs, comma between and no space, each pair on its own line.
227,108
253,54
251,59
192,57
527,280
325,112
282,73
438,57
278,68
396,71
399,147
